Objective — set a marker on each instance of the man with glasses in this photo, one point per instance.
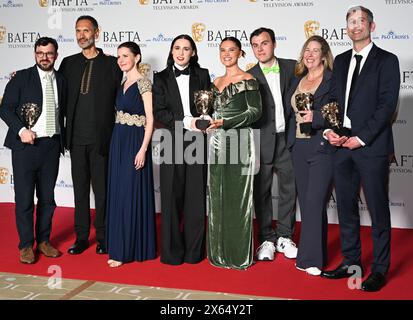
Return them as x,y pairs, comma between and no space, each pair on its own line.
33,107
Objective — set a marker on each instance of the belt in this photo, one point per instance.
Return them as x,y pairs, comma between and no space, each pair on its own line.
130,119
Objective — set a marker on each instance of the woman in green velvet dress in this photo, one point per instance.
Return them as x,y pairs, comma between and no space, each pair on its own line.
237,104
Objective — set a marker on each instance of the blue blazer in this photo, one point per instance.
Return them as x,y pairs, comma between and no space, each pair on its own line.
321,97
23,88
374,99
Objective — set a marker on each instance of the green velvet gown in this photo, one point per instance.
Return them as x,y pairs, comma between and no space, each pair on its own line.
230,176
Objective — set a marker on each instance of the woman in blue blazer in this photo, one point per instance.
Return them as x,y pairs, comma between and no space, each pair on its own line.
312,154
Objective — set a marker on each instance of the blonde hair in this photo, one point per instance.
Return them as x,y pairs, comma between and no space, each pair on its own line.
326,55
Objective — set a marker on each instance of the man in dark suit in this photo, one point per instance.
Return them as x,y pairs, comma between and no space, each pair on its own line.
183,183
35,145
365,83
93,79
274,76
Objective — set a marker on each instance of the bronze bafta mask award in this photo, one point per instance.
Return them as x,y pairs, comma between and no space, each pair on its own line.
31,113
304,101
330,113
203,103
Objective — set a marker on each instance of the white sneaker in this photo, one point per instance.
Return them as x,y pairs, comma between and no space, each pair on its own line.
288,247
314,271
265,252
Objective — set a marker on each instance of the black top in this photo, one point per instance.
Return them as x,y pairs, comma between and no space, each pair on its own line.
103,87
84,124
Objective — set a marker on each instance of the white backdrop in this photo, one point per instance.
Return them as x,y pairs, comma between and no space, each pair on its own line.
154,23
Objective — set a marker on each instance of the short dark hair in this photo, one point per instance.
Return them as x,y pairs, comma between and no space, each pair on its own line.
363,9
44,41
237,43
193,61
92,20
258,31
134,48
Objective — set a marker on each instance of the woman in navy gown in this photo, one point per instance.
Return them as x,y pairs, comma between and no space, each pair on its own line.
131,205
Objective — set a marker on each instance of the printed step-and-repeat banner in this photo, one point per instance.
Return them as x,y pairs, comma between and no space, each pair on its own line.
154,23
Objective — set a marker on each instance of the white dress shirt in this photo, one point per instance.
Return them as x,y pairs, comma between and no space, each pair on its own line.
273,80
40,127
364,53
183,85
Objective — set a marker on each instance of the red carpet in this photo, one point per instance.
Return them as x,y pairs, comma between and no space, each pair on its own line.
274,279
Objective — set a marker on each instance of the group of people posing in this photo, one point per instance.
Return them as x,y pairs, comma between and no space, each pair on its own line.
106,121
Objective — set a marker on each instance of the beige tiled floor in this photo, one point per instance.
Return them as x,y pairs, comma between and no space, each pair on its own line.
27,287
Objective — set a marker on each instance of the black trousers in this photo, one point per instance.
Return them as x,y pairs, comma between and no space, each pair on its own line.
183,206
89,167
351,169
35,167
313,176
282,165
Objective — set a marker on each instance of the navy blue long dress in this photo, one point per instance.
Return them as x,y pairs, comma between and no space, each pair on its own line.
131,206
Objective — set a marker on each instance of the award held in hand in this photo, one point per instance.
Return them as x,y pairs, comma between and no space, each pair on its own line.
304,101
330,113
203,103
30,113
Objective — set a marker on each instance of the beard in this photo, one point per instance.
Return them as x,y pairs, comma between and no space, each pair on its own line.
87,44
45,66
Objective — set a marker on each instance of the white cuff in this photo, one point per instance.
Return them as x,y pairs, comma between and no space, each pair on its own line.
21,130
361,141
325,132
187,122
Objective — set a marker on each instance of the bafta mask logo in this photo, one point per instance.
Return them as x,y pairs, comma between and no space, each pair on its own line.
43,3
2,33
3,175
311,28
249,66
144,69
198,30
144,2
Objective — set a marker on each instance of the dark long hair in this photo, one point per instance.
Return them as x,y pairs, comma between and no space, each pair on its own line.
193,61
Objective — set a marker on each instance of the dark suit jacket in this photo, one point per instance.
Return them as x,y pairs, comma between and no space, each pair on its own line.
374,99
109,76
167,102
321,97
266,123
26,87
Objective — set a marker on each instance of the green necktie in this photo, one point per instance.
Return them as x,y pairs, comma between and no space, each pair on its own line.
50,107
275,69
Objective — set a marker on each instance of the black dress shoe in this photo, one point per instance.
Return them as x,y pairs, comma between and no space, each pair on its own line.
78,247
342,271
101,249
374,282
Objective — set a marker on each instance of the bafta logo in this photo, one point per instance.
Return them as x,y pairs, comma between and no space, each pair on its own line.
30,113
144,69
331,114
203,100
2,33
43,3
3,175
198,30
304,101
143,2
311,28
